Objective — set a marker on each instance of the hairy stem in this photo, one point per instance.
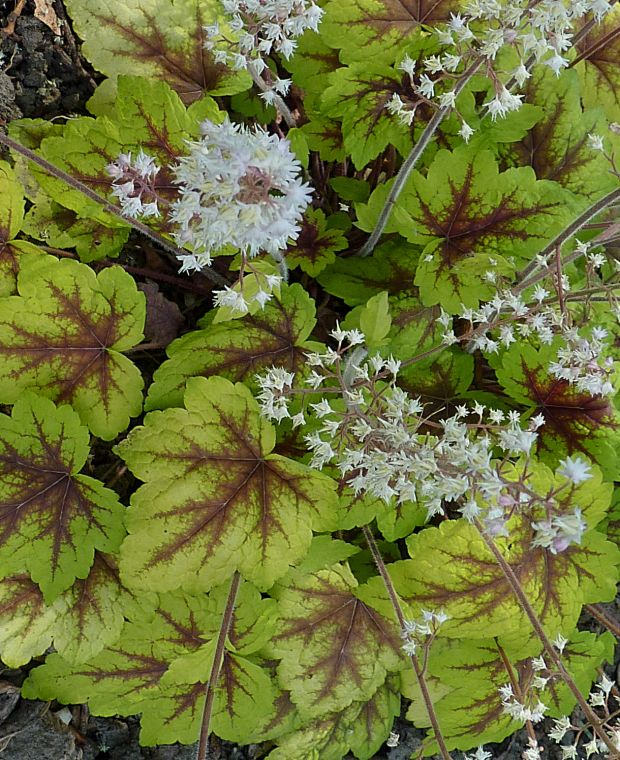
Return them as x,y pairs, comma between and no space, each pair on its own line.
387,581
105,204
203,745
553,655
410,162
526,278
277,99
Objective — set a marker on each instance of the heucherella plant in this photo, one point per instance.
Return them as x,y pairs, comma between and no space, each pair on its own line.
364,262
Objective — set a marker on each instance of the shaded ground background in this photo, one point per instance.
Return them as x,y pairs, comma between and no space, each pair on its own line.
42,75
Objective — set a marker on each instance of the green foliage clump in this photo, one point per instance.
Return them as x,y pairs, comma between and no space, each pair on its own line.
180,552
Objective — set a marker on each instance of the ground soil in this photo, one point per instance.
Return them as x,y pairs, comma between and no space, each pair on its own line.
42,75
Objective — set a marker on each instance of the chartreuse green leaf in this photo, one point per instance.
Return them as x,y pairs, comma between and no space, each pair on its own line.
556,146
160,40
51,517
452,569
216,499
26,622
62,337
79,623
362,727
470,218
358,95
363,29
60,227
375,320
239,349
148,670
147,115
575,421
335,649
316,245
392,267
466,676
598,68
11,222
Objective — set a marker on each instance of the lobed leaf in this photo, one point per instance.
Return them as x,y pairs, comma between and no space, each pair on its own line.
316,245
144,672
159,40
239,349
62,337
358,95
51,517
557,145
216,499
334,648
575,421
363,28
11,222
470,218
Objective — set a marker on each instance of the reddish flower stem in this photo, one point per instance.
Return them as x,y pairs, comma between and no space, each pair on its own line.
387,581
203,744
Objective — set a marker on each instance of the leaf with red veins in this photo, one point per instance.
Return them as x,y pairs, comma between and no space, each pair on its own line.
360,728
598,56
62,338
470,218
316,246
358,95
465,677
79,623
156,39
148,117
557,145
51,517
575,422
239,349
26,622
215,498
367,28
160,665
453,570
335,648
391,267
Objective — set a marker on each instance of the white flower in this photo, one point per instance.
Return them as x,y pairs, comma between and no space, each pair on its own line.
576,470
134,184
257,27
426,88
407,65
232,298
447,100
595,142
238,188
556,64
392,740
466,131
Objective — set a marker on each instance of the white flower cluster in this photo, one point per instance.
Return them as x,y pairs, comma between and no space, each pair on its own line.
134,184
238,299
238,188
259,28
416,633
509,315
559,532
581,362
540,32
372,430
519,711
598,698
